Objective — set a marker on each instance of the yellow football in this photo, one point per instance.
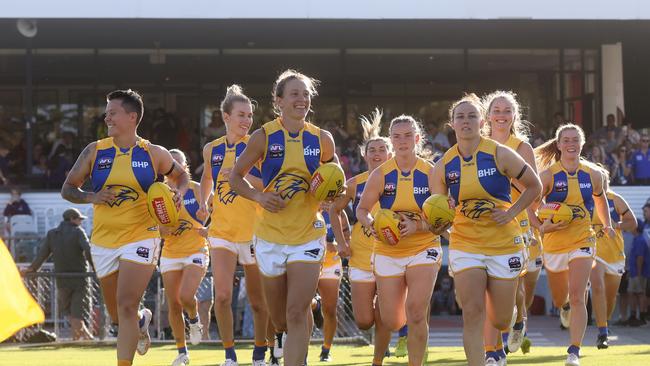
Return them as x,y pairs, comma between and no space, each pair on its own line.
327,181
560,212
160,202
386,225
437,211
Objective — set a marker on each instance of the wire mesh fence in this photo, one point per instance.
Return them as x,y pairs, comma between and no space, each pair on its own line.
65,297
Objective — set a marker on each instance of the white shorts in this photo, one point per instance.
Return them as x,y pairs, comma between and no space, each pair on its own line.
360,275
332,272
245,252
614,269
560,262
107,260
535,264
176,264
504,266
385,266
272,258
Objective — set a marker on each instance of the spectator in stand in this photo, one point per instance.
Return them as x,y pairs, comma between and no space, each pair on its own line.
640,162
60,165
16,206
638,264
438,138
63,145
4,164
619,169
69,246
215,129
597,155
610,126
444,299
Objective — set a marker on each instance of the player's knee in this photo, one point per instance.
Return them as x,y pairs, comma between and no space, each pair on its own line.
127,306
222,300
329,310
188,300
364,322
416,314
296,314
258,308
473,313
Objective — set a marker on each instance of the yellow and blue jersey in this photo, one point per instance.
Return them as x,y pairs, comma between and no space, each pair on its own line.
233,217
535,250
513,143
576,190
609,249
478,186
128,173
331,258
287,166
185,240
405,193
362,244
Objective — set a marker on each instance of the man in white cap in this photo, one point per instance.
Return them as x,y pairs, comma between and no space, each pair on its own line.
69,247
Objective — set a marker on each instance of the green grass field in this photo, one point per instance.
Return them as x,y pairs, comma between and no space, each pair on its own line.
162,355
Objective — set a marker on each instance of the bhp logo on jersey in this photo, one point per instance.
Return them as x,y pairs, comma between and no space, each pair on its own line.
487,172
561,186
140,164
160,210
453,177
308,151
420,190
104,163
276,151
217,160
585,185
389,189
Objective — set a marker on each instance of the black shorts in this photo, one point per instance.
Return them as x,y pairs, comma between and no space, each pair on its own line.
622,288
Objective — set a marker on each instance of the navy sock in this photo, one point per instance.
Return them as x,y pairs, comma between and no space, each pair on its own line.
259,352
574,349
182,350
501,353
404,331
141,321
492,354
324,350
195,320
230,353
603,331
518,326
504,337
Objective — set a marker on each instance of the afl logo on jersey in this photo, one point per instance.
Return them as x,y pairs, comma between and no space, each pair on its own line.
389,189
453,177
217,160
474,209
104,163
561,186
276,151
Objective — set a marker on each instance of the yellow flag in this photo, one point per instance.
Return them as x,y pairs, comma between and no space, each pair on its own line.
18,309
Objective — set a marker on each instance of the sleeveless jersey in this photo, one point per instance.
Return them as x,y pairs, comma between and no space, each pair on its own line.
185,239
405,193
233,217
478,186
362,244
576,190
535,251
287,166
128,173
331,257
513,143
609,249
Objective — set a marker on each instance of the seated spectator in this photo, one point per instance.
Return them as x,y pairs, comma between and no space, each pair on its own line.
619,170
597,155
444,299
640,162
70,249
16,206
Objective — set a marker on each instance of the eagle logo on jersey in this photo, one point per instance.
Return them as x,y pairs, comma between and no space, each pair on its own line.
183,226
476,208
288,185
122,194
578,212
366,231
225,194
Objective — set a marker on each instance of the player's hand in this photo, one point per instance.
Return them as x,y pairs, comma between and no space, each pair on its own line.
371,227
165,230
225,173
25,271
609,231
501,217
202,213
330,247
270,201
203,231
344,250
103,197
440,229
407,226
325,205
178,200
548,226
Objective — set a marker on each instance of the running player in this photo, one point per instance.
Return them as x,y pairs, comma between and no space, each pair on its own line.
232,222
290,235
504,125
183,263
328,288
359,247
125,239
569,248
610,260
405,273
486,248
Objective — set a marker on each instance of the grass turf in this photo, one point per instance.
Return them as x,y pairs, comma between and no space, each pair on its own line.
162,355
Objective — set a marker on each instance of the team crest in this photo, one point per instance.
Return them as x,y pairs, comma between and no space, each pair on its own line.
475,208
288,185
183,226
366,231
578,212
122,194
225,194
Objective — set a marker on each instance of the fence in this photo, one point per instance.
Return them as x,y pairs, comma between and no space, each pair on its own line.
46,286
